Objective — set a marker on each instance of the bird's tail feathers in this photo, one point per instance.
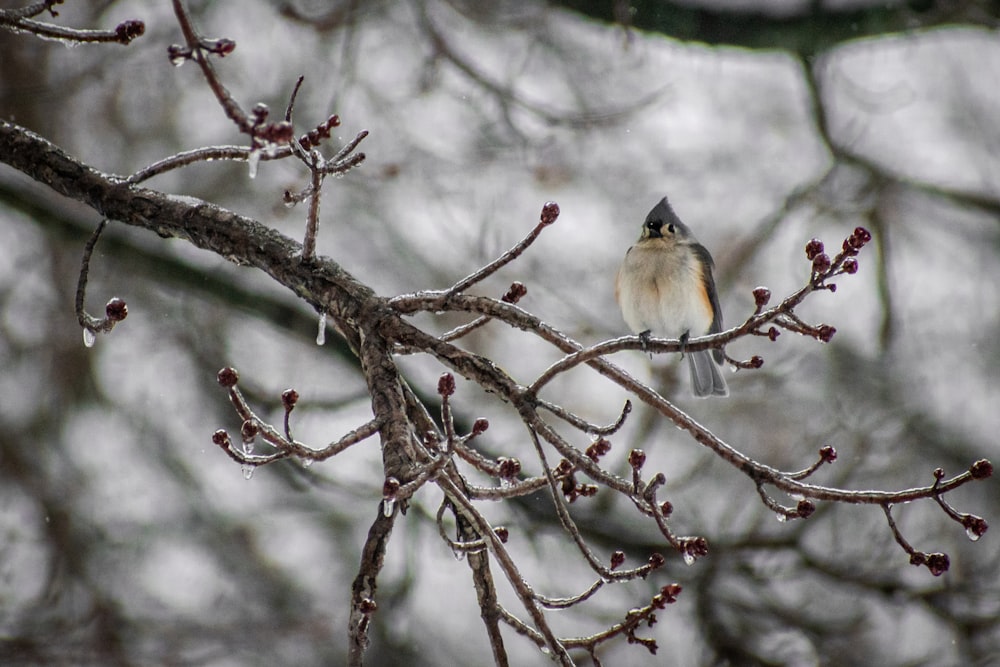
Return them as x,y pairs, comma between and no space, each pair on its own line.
706,375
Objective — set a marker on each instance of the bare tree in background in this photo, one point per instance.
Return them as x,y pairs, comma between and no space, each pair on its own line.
426,437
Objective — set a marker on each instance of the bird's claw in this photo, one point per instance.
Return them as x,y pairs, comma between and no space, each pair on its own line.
644,341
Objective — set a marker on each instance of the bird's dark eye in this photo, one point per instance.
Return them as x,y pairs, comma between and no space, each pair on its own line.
651,224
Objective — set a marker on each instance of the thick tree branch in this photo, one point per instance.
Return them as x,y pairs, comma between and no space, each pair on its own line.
324,285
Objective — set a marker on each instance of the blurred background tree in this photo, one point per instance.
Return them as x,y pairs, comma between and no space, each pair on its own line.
128,538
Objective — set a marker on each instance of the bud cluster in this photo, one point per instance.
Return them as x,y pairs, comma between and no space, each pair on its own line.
515,293
598,449
508,468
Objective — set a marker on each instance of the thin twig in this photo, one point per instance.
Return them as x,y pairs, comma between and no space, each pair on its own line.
194,41
87,321
16,20
207,154
584,425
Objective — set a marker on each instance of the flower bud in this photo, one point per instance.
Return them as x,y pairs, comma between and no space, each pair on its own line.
116,310
228,377
550,212
446,384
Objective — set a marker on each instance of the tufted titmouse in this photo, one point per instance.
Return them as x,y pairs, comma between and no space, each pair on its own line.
665,287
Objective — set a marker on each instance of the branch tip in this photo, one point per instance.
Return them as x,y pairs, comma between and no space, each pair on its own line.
126,31
805,508
480,426
446,385
814,248
508,468
981,469
116,310
228,377
516,292
667,595
636,458
598,448
761,296
666,509
550,213
289,398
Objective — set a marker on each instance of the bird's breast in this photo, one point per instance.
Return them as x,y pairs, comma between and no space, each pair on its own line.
662,290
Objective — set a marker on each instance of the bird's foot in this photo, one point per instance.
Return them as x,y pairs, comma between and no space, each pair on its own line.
644,341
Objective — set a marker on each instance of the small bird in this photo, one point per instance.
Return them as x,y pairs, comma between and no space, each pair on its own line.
665,287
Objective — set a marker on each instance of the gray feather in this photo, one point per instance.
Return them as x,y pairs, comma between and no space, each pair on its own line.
706,376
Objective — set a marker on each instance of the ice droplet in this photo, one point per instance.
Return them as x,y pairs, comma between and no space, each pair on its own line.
546,650
459,555
89,337
307,462
321,334
973,535
781,518
248,446
252,161
387,505
247,471
689,558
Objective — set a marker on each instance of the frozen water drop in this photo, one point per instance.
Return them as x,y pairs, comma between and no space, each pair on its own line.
387,506
307,462
459,555
321,334
248,446
89,337
973,535
781,518
252,161
688,558
247,471
546,650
